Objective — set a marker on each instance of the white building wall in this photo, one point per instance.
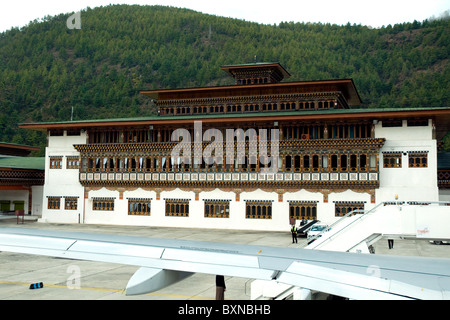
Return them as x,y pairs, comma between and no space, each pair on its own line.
37,194
410,184
347,195
104,217
62,182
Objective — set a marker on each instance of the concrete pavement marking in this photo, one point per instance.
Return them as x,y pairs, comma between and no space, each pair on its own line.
167,295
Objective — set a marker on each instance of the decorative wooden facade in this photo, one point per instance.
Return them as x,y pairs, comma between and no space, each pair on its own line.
330,163
317,153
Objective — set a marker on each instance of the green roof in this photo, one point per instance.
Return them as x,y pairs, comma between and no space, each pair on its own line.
34,163
242,115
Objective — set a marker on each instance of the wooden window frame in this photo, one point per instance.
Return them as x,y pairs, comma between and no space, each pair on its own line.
341,208
103,204
72,162
139,207
300,210
217,208
258,209
56,162
418,159
54,203
70,203
392,160
176,207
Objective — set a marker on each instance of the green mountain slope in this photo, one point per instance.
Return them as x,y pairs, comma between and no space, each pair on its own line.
47,69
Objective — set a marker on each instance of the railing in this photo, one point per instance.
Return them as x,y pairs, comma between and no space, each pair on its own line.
253,140
366,212
317,236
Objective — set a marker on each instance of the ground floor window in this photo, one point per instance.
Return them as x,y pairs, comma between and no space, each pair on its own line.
300,210
258,209
54,202
103,204
140,207
217,208
344,207
71,203
177,207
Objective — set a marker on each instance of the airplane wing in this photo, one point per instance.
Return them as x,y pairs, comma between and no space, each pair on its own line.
165,261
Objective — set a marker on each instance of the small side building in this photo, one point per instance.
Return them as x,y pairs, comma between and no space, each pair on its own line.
21,180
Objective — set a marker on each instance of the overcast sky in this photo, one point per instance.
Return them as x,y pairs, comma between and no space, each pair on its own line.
17,13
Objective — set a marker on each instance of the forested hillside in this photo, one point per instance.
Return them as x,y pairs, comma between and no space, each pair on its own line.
46,68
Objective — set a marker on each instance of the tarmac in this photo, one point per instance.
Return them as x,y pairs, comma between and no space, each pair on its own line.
65,279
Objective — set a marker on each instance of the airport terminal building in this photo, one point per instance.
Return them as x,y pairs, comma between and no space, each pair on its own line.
252,156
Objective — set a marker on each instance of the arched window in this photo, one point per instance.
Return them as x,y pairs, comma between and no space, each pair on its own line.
344,162
306,163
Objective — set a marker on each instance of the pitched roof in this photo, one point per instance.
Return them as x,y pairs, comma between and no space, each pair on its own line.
346,86
332,114
13,149
274,65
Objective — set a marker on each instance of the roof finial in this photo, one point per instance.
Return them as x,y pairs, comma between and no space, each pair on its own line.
255,58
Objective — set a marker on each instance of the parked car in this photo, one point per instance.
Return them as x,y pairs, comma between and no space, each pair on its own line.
440,242
315,230
304,227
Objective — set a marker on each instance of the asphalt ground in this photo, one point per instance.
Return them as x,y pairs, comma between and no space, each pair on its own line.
65,279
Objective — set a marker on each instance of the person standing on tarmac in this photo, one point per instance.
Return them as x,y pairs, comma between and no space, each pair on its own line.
220,287
294,233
